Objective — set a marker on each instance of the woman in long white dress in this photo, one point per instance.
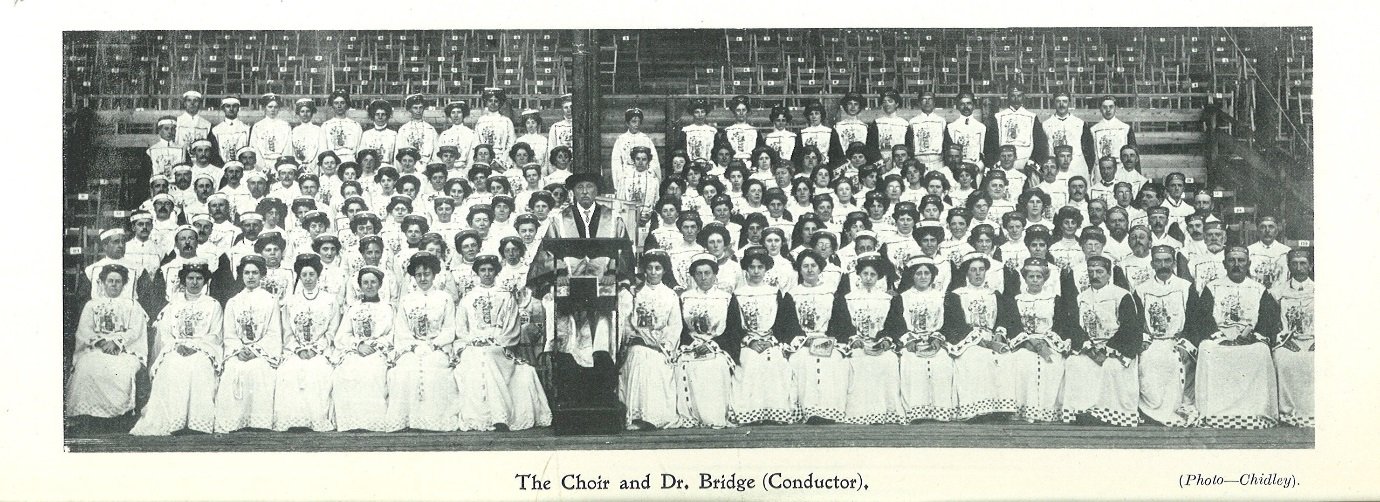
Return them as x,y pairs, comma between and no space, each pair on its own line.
763,323
653,327
189,349
363,344
497,391
111,348
704,368
1039,342
984,376
253,346
818,366
421,388
311,314
874,390
920,317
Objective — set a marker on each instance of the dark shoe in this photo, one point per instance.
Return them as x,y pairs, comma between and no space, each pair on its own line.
501,427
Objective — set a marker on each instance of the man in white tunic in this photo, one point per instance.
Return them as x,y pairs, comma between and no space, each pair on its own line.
968,131
1110,134
1019,127
1294,350
1268,255
166,152
1166,371
928,133
231,134
1100,379
1063,128
191,126
1237,320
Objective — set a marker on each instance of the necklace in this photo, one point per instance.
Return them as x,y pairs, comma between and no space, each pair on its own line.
310,295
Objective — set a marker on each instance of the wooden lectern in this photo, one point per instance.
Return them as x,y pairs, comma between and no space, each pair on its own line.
585,399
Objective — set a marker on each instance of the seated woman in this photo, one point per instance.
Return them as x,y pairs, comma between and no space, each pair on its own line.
421,388
111,349
303,396
497,391
359,390
703,369
763,323
188,348
653,327
983,376
818,366
1039,342
253,348
874,391
919,316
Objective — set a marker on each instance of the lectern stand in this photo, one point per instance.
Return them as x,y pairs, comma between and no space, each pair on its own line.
585,399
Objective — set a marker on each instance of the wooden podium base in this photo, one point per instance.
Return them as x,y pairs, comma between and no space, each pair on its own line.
585,418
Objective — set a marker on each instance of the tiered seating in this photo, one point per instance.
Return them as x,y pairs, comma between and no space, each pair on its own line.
110,70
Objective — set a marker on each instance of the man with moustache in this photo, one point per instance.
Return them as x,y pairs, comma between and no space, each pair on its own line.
1166,359
1118,228
1207,265
967,131
1268,254
1235,320
141,249
1105,186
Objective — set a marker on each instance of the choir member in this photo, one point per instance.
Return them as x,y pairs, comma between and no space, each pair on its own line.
422,392
1166,358
1040,342
1110,135
653,323
762,321
703,368
253,349
189,350
1063,128
820,137
967,132
496,390
741,136
341,134
111,348
984,373
310,318
918,314
271,136
1237,321
1100,378
874,389
1293,352
363,346
818,366
785,142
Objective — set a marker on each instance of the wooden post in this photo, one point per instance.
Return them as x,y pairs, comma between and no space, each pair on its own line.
586,117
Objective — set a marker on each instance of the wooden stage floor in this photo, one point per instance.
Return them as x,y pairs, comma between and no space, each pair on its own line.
930,435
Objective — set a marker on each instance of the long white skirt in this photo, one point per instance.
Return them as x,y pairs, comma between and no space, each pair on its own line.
874,389
985,382
495,389
1108,392
1235,386
821,384
1039,385
1295,373
183,396
422,393
303,397
704,388
1164,384
646,386
359,392
763,389
245,396
927,386
102,385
